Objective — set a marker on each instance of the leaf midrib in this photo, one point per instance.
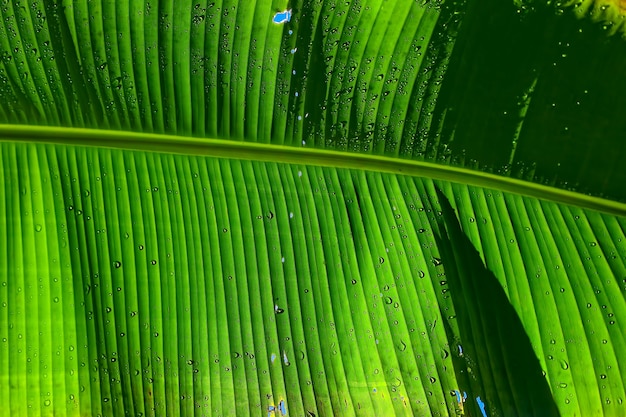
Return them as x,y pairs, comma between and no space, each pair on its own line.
221,148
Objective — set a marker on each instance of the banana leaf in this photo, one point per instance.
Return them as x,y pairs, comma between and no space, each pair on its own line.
312,208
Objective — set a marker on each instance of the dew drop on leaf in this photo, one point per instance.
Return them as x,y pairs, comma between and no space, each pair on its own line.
564,364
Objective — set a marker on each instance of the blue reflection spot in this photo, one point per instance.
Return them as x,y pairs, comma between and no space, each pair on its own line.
481,405
273,357
458,396
282,408
282,17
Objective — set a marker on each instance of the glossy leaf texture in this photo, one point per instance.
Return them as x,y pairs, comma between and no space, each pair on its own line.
518,88
158,284
143,282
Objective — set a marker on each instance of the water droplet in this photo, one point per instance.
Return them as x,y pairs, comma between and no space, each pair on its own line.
433,379
437,261
388,300
381,260
562,385
38,228
564,364
353,281
47,403
117,264
603,376
422,274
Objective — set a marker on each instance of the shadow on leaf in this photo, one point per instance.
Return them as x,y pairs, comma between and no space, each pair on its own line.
495,361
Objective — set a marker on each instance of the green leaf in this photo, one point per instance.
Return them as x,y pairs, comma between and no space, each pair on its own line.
506,372
366,210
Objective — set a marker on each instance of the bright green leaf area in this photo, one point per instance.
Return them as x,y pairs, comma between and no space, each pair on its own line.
154,283
413,208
